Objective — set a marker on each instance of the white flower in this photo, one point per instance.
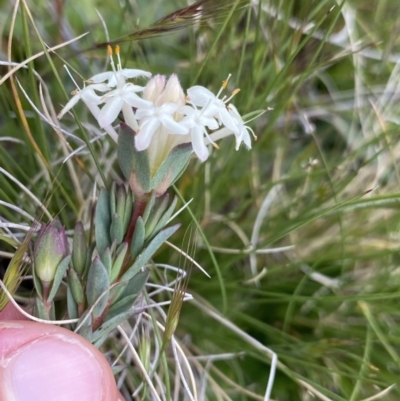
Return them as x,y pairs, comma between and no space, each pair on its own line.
114,77
117,98
117,76
242,132
196,122
163,131
212,105
87,95
152,118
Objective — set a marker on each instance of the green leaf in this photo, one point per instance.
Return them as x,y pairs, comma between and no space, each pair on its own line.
100,334
79,248
122,306
60,273
106,258
120,193
138,238
166,216
134,165
116,267
86,328
72,306
113,198
149,208
128,210
89,255
97,286
37,283
172,167
117,290
75,286
134,286
103,222
40,309
145,256
126,150
117,229
158,210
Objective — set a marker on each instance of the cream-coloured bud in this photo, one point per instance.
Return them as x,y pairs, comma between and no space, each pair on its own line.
154,88
173,91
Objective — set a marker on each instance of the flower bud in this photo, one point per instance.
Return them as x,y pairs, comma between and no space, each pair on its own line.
51,247
154,88
173,92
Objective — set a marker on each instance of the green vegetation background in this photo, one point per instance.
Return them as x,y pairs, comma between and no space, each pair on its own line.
325,162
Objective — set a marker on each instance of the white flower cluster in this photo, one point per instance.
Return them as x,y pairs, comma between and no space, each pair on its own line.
162,117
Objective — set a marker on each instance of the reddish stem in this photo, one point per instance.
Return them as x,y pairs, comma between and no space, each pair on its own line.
140,206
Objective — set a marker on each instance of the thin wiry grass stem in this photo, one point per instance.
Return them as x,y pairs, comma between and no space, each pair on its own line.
139,364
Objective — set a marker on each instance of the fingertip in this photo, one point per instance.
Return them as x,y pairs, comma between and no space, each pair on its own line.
46,362
10,312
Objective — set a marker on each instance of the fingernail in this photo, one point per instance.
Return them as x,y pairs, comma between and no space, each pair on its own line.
54,368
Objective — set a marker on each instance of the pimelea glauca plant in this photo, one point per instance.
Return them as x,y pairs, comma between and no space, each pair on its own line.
93,277
161,127
300,235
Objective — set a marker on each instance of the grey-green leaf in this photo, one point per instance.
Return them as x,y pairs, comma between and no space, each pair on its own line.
173,166
103,222
134,164
79,248
158,210
60,272
149,207
135,285
106,258
117,229
128,210
100,334
144,257
138,238
75,285
89,255
166,216
98,284
86,328
72,307
116,267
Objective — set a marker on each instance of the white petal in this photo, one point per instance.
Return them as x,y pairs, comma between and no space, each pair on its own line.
71,103
234,111
144,112
199,95
188,122
169,108
198,144
133,88
103,76
146,132
172,126
110,111
228,120
221,133
129,117
133,73
210,122
187,110
246,138
90,96
135,101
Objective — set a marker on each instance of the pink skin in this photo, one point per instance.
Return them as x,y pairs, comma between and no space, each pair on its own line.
46,362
